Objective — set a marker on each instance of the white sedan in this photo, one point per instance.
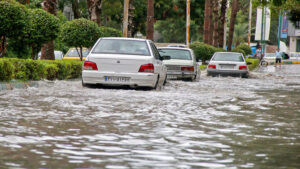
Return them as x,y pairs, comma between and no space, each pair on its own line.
228,63
124,61
182,63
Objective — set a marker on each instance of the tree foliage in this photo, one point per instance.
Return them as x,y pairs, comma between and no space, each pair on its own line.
80,33
12,18
42,27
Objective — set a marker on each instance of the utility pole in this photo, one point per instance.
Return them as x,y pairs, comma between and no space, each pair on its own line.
279,29
125,18
262,29
250,19
188,22
150,19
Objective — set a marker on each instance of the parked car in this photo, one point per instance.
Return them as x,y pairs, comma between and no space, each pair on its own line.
73,54
124,61
270,56
182,65
228,63
57,54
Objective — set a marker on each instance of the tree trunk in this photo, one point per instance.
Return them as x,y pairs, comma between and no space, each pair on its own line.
75,9
150,20
211,29
222,22
2,46
216,16
47,51
130,19
235,6
207,22
94,7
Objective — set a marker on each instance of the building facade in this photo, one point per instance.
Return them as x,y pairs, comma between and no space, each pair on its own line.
294,34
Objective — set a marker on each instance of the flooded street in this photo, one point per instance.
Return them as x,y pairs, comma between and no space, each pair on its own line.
221,122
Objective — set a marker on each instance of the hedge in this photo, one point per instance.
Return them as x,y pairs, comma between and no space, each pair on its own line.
204,51
255,63
27,69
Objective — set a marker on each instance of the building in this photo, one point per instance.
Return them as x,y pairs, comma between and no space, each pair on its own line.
294,34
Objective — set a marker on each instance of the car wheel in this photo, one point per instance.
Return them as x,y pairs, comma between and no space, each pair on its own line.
246,75
84,84
165,81
157,85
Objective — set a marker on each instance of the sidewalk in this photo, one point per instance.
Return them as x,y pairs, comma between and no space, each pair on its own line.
19,85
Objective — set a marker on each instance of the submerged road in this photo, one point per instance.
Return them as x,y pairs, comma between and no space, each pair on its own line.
221,122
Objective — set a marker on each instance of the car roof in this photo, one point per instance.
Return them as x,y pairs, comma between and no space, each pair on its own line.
230,52
177,48
123,38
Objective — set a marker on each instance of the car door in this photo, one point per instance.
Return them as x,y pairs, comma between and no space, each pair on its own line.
158,64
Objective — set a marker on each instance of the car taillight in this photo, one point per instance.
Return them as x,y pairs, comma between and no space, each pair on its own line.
212,66
243,68
148,68
187,68
88,65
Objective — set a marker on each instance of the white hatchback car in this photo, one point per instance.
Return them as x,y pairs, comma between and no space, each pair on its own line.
124,61
182,64
228,63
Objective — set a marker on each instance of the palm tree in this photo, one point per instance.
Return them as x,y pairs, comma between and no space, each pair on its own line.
207,21
222,21
235,6
240,33
216,15
150,19
95,8
47,51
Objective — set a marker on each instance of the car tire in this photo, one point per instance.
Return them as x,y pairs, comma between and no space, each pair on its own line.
165,81
246,75
157,85
84,84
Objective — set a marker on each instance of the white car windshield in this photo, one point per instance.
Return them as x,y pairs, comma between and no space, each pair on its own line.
119,46
176,54
234,57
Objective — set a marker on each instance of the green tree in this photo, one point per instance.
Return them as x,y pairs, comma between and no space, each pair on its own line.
12,16
80,33
42,27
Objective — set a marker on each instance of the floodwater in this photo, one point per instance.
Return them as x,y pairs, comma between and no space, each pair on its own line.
221,122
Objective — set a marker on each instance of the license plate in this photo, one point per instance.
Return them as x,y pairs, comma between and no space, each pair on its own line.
227,67
171,76
116,79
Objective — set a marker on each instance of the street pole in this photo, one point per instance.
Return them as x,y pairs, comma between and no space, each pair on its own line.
150,20
125,18
188,22
250,19
262,29
279,29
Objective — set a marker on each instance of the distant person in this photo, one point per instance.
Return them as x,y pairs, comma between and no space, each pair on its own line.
258,54
278,58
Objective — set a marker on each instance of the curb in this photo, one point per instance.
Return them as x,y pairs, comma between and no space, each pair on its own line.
18,85
288,62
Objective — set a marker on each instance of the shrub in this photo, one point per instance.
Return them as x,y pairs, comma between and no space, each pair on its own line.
255,63
109,32
204,51
42,27
238,51
6,70
52,71
12,18
80,33
245,48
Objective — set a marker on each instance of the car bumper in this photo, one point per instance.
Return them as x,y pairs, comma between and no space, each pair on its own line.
135,79
180,75
228,72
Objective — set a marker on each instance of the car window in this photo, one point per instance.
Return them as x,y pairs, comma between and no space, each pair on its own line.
235,57
118,46
73,53
155,51
176,54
